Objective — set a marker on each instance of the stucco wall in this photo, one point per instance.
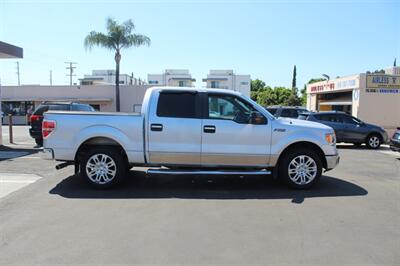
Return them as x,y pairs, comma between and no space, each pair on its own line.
104,95
382,109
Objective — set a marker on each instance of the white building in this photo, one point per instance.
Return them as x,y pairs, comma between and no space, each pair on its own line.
105,77
172,77
227,79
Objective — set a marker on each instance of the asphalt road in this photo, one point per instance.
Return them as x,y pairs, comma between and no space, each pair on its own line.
351,217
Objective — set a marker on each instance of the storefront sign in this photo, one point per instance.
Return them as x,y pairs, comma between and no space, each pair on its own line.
383,81
329,86
385,91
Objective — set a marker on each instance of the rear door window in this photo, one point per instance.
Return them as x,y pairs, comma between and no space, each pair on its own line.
180,105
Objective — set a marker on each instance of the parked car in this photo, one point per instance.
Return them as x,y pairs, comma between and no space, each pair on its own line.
190,131
286,111
395,141
36,118
349,129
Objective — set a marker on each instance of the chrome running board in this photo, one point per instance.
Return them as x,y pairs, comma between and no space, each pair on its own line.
205,172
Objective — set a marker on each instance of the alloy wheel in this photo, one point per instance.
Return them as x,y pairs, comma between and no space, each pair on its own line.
101,169
302,170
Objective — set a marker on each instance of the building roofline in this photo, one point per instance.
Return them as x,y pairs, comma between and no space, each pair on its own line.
10,51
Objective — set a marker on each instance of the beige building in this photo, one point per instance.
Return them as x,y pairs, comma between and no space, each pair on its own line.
373,98
20,101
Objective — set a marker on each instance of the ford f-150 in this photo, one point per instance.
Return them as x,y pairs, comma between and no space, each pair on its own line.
190,131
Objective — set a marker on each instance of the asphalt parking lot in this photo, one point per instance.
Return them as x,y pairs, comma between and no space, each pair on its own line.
351,217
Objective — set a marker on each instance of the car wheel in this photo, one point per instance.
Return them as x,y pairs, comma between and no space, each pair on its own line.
103,168
374,141
39,142
300,168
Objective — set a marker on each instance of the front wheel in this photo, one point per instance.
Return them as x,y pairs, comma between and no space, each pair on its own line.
300,168
374,141
102,167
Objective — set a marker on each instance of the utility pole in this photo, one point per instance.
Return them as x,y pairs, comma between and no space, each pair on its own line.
51,78
71,71
19,81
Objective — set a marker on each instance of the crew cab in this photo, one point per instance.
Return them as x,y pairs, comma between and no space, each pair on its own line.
190,131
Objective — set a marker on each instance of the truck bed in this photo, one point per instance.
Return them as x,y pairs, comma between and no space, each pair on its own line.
73,128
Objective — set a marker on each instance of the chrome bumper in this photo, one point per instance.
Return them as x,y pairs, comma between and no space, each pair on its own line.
47,154
332,161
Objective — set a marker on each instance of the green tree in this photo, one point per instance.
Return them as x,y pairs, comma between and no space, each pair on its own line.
257,85
118,37
294,77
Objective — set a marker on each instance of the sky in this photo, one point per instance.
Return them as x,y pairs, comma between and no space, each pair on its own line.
262,38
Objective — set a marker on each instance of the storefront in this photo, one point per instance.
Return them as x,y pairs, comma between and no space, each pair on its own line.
8,51
373,98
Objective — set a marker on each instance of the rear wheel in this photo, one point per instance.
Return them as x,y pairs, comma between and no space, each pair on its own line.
300,168
374,141
103,168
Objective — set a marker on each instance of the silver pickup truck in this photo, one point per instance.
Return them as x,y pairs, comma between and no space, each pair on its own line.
190,131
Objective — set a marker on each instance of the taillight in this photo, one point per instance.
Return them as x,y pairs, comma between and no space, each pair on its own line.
48,126
34,118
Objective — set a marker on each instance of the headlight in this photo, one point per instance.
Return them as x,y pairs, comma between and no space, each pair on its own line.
330,138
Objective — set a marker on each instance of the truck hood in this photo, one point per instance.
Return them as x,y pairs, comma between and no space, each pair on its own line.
290,122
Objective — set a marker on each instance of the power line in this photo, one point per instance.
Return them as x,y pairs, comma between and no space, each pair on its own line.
71,71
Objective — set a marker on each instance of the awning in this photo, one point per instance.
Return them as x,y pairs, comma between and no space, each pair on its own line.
10,51
335,103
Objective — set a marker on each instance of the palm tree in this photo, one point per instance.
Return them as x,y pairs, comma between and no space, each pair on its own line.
118,36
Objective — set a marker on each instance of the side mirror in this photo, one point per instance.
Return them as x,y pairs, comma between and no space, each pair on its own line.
256,118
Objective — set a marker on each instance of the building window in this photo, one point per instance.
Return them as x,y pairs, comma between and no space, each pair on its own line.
181,83
121,82
244,83
17,108
153,81
214,84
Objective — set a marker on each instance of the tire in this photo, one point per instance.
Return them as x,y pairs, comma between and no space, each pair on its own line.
103,167
300,168
374,141
39,142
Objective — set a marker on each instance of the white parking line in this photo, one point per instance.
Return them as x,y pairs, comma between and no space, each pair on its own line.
10,182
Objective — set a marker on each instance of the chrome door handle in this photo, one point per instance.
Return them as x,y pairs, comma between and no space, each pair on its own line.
209,129
156,127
